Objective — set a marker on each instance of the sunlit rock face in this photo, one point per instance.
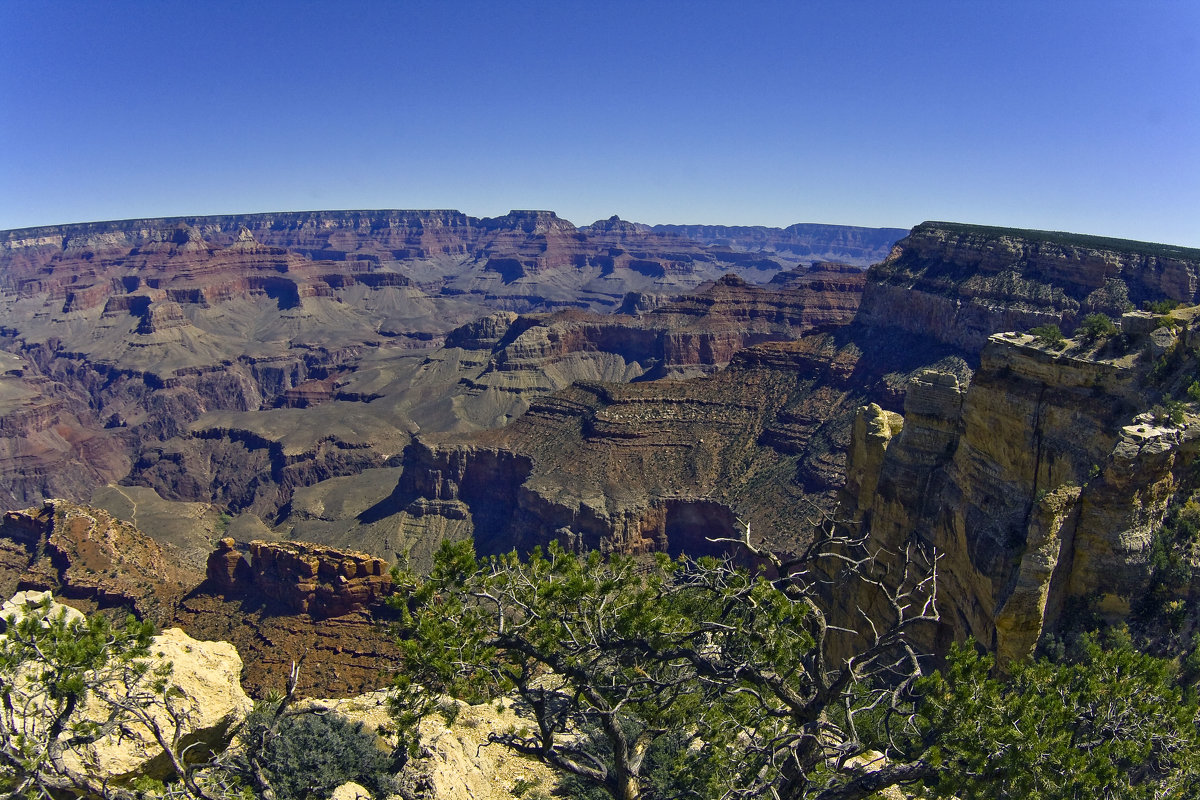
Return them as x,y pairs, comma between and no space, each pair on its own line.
1040,485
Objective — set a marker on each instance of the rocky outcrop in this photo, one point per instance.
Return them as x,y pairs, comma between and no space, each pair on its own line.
208,695
91,560
307,578
1040,485
958,284
455,763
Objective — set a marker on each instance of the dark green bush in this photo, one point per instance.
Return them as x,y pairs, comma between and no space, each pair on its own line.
310,754
1049,336
1096,326
1170,565
1160,306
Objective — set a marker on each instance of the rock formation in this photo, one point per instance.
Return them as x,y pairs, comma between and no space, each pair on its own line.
959,284
1041,484
307,578
297,602
290,602
90,559
454,760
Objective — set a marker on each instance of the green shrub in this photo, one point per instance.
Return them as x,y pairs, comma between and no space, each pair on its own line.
1049,336
1170,566
308,755
1096,326
1171,412
1160,307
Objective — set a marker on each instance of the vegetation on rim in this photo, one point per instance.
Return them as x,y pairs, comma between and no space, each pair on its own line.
702,679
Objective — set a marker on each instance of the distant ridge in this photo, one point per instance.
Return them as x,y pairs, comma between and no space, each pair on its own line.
991,233
734,236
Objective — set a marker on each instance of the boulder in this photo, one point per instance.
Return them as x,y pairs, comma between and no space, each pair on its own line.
206,701
350,791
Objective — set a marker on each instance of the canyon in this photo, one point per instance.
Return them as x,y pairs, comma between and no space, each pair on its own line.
289,403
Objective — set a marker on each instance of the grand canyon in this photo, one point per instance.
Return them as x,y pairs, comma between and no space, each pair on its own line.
235,425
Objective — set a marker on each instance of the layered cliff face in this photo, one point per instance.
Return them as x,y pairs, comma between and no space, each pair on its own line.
125,335
84,555
1041,484
862,246
654,465
307,578
961,283
488,373
286,603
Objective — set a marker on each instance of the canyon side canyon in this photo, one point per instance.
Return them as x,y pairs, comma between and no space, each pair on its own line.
236,424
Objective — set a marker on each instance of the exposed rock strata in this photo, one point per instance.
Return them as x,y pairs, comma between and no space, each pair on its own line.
86,557
660,465
296,602
299,602
959,284
133,331
1040,485
307,578
489,372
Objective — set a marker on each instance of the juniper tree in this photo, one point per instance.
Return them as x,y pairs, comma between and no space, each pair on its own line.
675,677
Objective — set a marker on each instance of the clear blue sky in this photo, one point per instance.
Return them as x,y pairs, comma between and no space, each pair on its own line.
1058,114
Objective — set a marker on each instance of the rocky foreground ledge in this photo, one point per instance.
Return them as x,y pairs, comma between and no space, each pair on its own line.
453,764
276,601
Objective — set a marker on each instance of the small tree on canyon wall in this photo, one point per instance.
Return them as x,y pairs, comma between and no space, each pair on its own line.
678,678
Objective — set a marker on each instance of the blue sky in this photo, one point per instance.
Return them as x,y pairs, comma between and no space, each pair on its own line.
1080,116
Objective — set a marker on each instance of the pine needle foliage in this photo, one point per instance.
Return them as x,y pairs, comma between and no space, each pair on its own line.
306,756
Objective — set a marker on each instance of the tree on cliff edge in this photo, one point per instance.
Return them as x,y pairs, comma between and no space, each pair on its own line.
70,684
699,679
53,666
682,678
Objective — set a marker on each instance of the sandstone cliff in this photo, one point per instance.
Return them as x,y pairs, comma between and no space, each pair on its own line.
959,284
286,602
307,578
1041,483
